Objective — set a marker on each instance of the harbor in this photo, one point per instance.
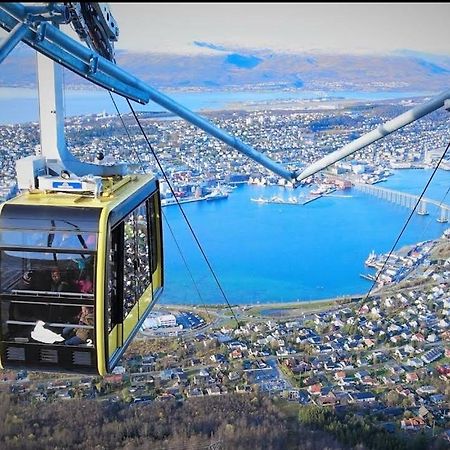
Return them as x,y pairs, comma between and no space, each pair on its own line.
300,200
219,193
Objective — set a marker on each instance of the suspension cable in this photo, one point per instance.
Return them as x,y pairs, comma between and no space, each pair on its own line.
184,215
128,134
185,262
406,224
165,218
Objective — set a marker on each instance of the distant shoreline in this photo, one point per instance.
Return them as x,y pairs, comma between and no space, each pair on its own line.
270,305
85,102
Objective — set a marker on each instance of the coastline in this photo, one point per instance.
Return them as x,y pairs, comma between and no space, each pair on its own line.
261,308
290,308
82,101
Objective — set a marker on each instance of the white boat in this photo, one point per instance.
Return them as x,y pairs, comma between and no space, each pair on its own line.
259,200
217,194
371,258
276,199
320,190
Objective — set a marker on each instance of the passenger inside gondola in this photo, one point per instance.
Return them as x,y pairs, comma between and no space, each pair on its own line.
83,333
26,282
85,285
57,284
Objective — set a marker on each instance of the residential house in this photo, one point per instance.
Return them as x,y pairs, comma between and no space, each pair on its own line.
340,375
361,374
233,376
347,381
327,400
437,399
314,389
213,390
426,390
418,337
362,397
194,392
414,424
412,377
432,355
415,362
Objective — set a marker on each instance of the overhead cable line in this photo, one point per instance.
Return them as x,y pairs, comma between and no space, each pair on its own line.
406,223
165,218
184,215
126,130
186,264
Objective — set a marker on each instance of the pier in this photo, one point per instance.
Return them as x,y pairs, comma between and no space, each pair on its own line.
407,200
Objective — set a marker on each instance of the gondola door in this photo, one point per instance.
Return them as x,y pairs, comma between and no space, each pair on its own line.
114,298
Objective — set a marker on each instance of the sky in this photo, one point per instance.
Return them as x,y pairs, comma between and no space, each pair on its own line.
371,28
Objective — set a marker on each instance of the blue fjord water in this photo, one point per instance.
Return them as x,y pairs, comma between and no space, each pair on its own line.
274,252
20,105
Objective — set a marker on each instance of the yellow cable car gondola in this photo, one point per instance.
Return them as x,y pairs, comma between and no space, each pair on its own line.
78,275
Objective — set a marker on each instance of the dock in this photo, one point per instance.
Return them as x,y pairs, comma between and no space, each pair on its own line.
367,276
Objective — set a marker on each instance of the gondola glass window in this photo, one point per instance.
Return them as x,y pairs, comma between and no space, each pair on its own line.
29,278
132,260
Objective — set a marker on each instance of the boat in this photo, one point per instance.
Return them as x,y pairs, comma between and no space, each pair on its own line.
380,180
217,193
259,200
320,190
368,277
172,201
276,199
371,258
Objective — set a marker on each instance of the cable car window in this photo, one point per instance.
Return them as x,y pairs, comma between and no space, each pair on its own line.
142,247
130,263
39,217
153,221
47,322
47,297
46,271
55,239
113,300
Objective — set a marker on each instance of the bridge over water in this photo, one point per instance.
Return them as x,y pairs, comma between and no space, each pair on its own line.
407,200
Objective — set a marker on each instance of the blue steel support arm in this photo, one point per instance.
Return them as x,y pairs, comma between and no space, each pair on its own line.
16,35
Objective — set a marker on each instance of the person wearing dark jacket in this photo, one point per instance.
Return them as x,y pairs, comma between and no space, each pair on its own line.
56,283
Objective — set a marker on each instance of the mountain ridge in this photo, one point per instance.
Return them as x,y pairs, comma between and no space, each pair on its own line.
263,68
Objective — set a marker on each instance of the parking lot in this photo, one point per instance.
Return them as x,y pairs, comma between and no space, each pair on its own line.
189,320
